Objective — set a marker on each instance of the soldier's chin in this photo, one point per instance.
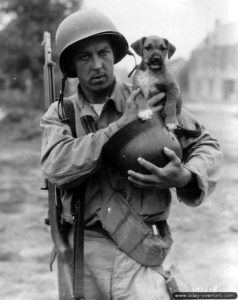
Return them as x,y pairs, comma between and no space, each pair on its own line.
100,82
101,86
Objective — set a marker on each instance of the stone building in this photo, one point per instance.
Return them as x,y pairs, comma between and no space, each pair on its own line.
213,66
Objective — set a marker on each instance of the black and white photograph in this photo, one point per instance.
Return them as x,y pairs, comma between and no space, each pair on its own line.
118,149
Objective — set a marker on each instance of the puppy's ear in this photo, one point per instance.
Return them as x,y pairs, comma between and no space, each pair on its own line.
171,48
137,46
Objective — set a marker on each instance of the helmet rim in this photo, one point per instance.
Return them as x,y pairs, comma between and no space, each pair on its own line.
120,43
82,25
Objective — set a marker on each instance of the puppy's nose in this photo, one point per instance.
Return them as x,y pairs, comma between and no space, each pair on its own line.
155,62
156,59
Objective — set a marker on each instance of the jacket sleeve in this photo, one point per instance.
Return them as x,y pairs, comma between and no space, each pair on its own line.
203,157
65,159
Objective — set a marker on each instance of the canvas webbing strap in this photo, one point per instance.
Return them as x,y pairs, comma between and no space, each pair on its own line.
78,269
70,114
78,200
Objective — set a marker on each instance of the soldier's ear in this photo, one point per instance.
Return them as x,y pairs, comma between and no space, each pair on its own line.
137,46
171,48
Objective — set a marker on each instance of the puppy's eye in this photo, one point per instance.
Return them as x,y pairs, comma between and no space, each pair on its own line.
147,47
163,48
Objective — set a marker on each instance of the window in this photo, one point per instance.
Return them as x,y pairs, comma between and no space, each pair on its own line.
228,88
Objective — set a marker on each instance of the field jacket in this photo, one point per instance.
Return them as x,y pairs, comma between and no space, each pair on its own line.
65,159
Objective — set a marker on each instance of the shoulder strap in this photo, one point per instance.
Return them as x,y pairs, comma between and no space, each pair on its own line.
70,114
78,267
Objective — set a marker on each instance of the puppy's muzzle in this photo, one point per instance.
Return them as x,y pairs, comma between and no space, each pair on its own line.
155,62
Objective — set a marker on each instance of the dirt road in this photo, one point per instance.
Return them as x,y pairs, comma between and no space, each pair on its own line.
206,237
205,250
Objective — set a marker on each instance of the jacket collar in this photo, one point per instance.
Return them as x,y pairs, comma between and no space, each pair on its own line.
116,98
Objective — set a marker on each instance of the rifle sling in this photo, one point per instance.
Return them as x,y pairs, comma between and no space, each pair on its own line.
70,114
78,269
78,194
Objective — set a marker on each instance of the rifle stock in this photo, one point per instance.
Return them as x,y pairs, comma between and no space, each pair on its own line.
58,232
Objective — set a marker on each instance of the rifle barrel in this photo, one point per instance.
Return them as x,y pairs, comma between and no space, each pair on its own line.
49,80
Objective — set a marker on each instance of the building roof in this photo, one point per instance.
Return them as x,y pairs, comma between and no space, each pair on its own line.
222,35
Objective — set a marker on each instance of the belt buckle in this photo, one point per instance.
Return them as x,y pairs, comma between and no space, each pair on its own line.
155,229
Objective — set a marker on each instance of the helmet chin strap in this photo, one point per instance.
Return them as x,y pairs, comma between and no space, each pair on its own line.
136,65
61,112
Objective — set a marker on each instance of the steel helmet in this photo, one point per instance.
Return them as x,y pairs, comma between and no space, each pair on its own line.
81,25
140,139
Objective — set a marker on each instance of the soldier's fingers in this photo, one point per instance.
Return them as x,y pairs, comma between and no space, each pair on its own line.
157,108
142,178
136,182
133,95
149,166
172,156
156,98
141,184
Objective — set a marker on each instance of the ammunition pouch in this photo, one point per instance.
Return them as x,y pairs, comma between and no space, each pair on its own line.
132,235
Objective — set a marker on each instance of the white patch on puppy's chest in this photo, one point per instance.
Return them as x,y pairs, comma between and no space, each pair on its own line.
146,82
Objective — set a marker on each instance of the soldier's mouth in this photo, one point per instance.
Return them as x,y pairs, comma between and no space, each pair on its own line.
97,78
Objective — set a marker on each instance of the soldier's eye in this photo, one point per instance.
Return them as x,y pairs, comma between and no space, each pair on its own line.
104,52
83,57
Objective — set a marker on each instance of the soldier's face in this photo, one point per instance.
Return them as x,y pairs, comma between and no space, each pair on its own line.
94,64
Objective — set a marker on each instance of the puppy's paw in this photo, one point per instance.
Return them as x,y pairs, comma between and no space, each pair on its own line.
146,114
171,126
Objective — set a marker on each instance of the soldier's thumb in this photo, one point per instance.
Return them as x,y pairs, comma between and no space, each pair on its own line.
170,154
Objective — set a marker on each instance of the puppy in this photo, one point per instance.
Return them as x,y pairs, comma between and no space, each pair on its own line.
152,77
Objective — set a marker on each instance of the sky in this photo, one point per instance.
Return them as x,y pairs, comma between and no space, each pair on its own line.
183,22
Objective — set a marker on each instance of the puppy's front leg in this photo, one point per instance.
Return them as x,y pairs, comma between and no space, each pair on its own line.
170,108
171,121
144,111
141,80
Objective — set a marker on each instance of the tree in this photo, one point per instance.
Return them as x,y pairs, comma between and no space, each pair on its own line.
20,40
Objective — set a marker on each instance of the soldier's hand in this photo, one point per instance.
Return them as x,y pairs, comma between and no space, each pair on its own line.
174,174
131,110
155,102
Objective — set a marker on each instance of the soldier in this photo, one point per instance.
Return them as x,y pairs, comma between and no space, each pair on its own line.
126,233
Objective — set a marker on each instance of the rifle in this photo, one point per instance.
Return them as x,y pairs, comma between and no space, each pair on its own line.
58,228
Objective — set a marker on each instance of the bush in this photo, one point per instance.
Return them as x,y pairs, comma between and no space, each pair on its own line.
21,124
13,98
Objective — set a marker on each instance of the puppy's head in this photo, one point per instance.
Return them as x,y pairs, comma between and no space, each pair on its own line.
153,50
